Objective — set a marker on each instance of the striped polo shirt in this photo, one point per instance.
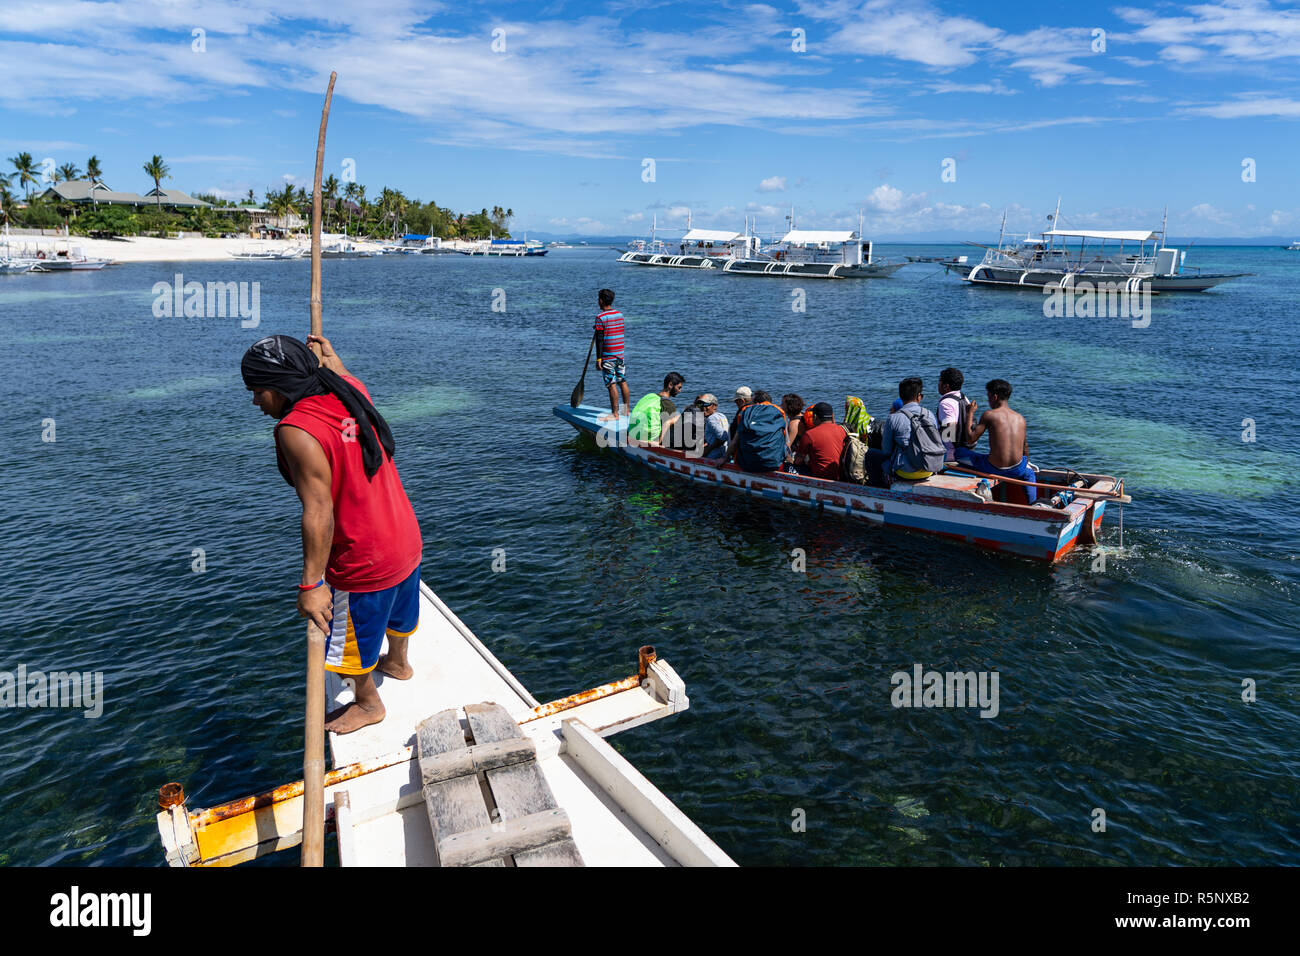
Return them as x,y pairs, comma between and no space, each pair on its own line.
610,323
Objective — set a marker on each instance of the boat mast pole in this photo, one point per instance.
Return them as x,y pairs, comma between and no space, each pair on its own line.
313,753
1003,230
1056,222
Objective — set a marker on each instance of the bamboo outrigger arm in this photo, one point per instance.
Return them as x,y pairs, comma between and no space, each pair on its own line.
263,823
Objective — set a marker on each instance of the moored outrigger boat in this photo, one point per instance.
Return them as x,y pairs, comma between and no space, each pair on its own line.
1050,262
697,249
408,791
951,504
809,254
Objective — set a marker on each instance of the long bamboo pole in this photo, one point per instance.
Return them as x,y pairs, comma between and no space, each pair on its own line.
313,753
1079,492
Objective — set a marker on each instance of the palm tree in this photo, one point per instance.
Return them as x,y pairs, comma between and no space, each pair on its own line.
350,193
93,172
252,200
363,208
283,204
157,170
67,172
6,197
329,195
25,170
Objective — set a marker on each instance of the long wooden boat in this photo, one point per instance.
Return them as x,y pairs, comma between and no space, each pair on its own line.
950,505
414,791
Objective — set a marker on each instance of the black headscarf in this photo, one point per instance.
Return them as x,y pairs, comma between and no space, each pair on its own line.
292,369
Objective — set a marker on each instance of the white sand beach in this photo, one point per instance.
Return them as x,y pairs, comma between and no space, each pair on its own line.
149,249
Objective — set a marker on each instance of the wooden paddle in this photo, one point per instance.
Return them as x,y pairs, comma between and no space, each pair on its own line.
313,753
576,398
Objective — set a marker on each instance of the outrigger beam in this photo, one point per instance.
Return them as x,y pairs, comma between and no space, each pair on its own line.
253,826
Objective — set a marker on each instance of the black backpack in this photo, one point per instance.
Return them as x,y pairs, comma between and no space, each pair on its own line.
956,432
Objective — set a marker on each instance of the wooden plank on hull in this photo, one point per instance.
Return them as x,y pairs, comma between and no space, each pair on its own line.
519,790
455,805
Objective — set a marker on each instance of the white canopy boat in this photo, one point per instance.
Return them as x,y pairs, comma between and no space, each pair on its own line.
538,785
67,258
697,249
814,254
15,263
15,266
1053,261
260,251
1294,247
507,248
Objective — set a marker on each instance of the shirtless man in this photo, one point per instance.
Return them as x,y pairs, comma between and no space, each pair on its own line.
1008,443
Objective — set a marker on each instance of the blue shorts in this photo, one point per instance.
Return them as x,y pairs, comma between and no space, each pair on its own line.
362,619
1021,472
612,369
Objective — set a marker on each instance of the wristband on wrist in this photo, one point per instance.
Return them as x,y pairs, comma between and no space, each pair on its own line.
311,587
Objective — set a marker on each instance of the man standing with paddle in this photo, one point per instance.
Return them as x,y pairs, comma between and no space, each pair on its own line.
609,353
360,540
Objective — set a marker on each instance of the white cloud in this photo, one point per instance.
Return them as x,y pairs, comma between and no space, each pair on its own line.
885,198
1234,30
1249,107
773,184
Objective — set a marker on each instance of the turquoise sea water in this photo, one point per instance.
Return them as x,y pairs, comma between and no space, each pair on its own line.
1120,681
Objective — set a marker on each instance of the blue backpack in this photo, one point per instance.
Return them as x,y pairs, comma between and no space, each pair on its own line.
760,438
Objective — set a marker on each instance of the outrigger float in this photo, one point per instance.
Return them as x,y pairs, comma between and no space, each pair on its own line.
952,504
439,781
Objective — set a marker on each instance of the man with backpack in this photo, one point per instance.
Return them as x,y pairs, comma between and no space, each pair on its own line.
910,444
952,417
760,443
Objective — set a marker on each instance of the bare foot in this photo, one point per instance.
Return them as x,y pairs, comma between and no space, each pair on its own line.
354,716
608,417
398,670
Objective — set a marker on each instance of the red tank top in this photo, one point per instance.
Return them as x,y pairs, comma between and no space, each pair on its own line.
376,537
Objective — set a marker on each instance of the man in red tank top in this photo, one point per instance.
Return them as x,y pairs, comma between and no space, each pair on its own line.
361,541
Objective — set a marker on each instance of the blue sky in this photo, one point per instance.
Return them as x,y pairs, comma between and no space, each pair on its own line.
552,108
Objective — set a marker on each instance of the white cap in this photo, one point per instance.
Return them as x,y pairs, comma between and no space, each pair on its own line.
745,393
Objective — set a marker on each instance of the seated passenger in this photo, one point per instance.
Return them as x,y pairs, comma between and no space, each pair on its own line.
744,396
820,448
685,432
1008,454
856,417
793,407
760,436
957,442
716,429
653,411
910,446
